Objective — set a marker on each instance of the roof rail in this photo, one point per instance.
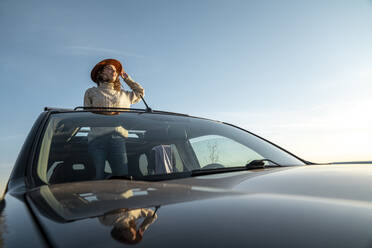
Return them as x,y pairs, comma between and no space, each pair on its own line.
111,109
167,112
126,109
56,109
108,109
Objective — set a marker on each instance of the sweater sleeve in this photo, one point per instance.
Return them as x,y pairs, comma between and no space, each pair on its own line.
150,216
137,90
87,99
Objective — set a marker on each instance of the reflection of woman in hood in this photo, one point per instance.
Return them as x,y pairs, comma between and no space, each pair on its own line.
125,222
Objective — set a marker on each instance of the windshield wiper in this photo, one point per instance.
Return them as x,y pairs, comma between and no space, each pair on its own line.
254,164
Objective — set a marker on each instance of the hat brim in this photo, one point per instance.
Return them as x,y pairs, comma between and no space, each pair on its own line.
114,62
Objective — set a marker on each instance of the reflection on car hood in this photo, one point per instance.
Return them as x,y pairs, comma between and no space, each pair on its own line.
323,205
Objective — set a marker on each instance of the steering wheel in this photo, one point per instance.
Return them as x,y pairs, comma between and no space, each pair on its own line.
213,166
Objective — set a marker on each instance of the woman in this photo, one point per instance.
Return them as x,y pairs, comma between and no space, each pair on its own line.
108,143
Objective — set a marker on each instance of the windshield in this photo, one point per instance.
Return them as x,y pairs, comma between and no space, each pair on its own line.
84,146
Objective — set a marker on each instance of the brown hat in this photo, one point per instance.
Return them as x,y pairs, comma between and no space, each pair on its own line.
114,62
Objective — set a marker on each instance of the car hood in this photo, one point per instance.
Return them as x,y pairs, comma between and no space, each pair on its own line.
317,205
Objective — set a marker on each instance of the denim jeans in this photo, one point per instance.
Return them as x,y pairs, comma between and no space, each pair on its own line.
109,147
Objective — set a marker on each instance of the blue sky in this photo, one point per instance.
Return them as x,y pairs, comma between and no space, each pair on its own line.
298,73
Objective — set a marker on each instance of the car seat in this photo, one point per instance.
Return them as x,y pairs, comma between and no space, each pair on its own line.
73,171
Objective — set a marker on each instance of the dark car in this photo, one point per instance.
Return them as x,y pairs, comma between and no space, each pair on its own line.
188,182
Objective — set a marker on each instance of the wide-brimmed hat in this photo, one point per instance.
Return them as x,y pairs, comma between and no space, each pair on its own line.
114,62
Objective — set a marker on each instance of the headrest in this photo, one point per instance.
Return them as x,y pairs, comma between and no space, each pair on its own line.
169,134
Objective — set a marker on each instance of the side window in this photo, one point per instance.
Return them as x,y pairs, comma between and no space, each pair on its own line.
107,167
215,149
177,159
143,164
52,168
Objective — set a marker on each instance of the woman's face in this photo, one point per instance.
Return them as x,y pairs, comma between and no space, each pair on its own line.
108,74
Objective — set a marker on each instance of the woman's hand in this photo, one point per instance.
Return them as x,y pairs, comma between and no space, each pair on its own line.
137,89
124,75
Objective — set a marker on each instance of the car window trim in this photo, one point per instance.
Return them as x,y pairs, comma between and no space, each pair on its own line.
32,179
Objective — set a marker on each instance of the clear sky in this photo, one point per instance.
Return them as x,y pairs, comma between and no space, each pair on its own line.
298,73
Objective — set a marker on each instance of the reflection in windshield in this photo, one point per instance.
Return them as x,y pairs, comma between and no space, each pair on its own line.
129,225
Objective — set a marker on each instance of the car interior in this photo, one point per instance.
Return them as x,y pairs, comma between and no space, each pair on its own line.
69,160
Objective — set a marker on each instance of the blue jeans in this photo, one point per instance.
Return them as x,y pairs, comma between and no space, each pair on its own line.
109,147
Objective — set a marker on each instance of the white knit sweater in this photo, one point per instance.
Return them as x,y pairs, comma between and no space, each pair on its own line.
106,96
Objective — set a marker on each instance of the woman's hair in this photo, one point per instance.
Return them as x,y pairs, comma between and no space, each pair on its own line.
117,83
124,235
